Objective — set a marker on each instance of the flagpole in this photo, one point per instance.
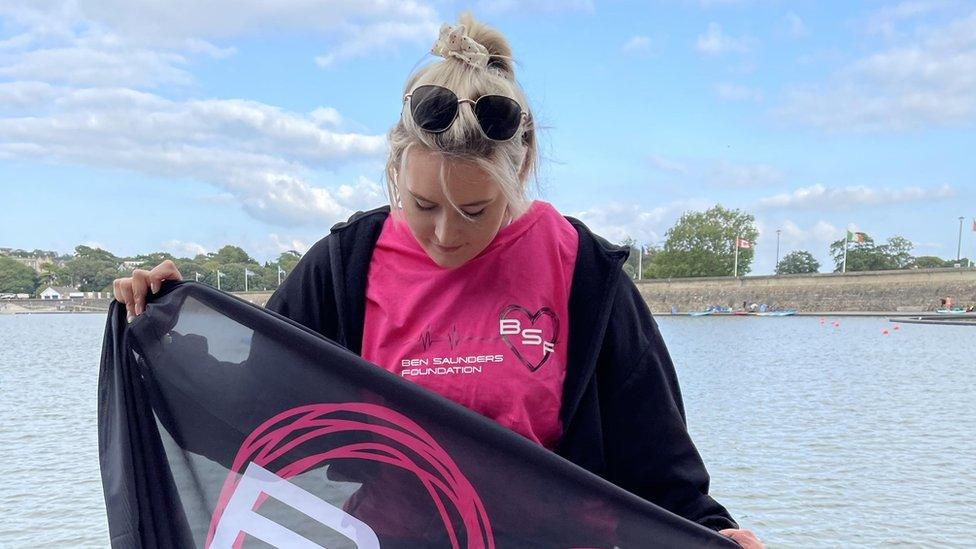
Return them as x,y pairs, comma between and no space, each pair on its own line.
245,280
218,279
640,262
735,268
846,238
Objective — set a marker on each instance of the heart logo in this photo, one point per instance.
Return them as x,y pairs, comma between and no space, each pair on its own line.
530,336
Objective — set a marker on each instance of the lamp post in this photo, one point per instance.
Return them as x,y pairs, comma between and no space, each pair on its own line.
776,265
959,245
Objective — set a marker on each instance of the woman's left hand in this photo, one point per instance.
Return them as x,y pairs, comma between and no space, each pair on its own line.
745,538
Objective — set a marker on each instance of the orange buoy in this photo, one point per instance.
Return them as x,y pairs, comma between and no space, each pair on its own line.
884,332
897,327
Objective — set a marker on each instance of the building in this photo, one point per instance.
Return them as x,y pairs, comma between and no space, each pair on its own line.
61,292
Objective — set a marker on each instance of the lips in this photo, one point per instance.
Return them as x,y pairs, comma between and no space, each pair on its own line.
446,249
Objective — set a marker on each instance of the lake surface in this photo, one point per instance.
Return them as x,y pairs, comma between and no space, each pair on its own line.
815,435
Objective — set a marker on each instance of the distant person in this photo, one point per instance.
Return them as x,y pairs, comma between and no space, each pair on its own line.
461,260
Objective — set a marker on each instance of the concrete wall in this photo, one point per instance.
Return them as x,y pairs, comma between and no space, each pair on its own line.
908,290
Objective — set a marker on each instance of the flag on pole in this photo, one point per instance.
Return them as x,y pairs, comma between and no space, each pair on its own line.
856,238
743,243
248,272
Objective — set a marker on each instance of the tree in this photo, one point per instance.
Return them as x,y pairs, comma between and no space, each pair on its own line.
866,256
929,262
16,278
288,260
231,254
798,262
703,244
91,269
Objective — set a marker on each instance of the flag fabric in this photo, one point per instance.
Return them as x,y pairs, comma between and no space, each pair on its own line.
857,238
248,272
743,243
224,425
280,270
974,224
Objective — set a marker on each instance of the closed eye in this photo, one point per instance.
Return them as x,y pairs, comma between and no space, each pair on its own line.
424,206
477,213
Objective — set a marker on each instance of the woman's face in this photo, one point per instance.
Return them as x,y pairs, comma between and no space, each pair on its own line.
448,238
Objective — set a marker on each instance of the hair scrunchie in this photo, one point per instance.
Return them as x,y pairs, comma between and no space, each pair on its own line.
455,42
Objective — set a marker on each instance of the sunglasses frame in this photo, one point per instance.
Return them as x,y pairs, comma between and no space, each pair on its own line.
473,102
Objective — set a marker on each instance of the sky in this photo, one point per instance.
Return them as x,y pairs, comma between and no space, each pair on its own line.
141,126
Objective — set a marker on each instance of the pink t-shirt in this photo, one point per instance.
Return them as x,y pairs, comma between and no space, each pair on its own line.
490,334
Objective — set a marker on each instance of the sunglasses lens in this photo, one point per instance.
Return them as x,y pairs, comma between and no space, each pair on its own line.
499,116
433,108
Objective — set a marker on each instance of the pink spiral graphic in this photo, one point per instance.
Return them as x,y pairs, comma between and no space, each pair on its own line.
446,485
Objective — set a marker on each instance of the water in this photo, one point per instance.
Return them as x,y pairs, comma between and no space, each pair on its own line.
815,435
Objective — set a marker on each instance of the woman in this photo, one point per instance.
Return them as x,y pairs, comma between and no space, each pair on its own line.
465,286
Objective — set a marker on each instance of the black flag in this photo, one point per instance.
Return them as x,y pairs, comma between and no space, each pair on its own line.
224,425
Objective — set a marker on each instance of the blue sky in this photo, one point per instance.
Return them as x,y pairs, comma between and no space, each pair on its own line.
180,125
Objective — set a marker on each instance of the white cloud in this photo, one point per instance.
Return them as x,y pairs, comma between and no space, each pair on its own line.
720,173
637,45
499,7
728,174
737,92
365,39
928,80
715,42
180,248
259,154
885,20
793,26
668,164
834,198
617,221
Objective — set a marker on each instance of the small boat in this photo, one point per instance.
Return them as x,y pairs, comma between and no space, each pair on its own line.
789,312
700,313
952,311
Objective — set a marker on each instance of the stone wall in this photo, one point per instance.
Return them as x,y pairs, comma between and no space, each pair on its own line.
879,291
890,291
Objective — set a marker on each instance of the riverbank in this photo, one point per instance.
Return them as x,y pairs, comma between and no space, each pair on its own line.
876,293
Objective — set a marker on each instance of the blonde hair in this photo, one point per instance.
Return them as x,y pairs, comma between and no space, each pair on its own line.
508,163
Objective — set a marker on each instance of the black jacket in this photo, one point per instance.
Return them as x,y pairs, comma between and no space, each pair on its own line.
622,414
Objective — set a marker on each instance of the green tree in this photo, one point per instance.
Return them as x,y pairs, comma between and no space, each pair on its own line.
868,256
798,262
91,269
231,254
929,262
703,244
17,278
288,260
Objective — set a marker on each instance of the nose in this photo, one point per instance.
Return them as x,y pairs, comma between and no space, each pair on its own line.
446,229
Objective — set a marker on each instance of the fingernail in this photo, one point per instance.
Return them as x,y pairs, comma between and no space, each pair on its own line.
154,286
129,318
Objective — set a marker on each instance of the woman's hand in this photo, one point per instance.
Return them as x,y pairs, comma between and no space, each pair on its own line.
745,538
132,290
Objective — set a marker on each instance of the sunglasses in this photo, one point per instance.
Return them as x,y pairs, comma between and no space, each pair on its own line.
434,109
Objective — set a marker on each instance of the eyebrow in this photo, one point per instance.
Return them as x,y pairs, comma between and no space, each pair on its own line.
469,205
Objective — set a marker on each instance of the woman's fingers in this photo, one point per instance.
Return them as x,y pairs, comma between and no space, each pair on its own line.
132,290
744,538
123,294
164,271
140,285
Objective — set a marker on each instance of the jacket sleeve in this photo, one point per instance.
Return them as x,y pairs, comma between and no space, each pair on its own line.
647,446
307,295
